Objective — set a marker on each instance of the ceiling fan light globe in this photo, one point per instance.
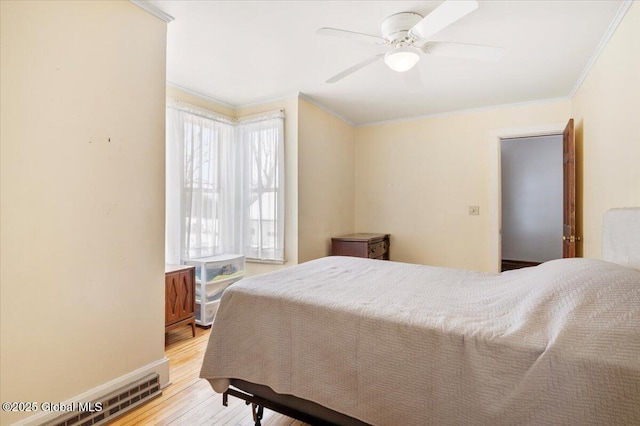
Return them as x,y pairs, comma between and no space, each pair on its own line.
401,59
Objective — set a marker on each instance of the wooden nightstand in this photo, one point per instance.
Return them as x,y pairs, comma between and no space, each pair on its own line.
373,246
180,297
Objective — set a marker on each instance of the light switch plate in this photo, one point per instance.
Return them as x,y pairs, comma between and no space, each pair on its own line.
474,210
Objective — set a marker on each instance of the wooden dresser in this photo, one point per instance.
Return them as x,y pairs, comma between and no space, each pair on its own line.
373,246
179,297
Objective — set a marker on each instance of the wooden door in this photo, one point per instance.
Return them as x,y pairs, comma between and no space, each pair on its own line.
569,191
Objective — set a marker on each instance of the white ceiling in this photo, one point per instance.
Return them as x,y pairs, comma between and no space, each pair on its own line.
247,52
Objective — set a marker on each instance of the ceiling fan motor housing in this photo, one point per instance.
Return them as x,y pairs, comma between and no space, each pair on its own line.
396,27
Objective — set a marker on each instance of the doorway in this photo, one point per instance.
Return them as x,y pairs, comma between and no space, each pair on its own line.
568,237
532,200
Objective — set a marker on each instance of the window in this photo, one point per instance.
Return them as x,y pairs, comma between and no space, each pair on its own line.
225,185
265,200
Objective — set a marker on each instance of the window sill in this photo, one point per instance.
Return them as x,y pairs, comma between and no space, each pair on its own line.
265,262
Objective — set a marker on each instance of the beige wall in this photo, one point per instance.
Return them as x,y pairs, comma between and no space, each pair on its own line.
606,109
325,180
82,186
416,180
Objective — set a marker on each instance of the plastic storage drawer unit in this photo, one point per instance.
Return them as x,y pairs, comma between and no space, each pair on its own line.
213,275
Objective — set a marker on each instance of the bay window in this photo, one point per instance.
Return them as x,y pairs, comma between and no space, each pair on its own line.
224,185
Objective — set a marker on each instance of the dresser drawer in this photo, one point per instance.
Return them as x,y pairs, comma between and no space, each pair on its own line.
373,246
378,249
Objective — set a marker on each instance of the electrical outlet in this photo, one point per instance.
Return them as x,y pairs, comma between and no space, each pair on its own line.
474,210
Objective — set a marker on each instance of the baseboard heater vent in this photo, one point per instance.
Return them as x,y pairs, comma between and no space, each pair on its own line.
112,405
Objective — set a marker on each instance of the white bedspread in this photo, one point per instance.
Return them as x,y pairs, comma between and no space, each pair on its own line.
399,344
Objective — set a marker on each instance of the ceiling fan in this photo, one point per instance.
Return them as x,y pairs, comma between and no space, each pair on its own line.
408,33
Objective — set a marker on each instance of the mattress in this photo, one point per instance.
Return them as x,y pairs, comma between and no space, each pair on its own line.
390,343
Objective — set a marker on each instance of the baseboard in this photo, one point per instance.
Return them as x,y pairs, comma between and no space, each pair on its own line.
160,366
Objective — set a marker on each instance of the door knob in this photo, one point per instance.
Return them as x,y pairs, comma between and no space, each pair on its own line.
572,238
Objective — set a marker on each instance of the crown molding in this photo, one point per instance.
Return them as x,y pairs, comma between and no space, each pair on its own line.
328,110
200,95
464,111
325,108
225,104
624,7
153,10
266,101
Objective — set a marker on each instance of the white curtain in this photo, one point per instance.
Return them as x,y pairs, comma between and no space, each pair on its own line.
224,186
174,165
262,193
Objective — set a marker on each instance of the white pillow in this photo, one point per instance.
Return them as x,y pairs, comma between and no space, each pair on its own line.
621,237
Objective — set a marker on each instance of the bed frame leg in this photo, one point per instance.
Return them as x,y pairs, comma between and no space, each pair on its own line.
257,411
258,405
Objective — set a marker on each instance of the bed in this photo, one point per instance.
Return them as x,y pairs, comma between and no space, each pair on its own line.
343,340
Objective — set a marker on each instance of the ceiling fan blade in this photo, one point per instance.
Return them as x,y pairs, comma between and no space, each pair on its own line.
413,80
334,32
444,15
354,68
466,51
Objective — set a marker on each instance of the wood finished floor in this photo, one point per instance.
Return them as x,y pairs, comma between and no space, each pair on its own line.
190,400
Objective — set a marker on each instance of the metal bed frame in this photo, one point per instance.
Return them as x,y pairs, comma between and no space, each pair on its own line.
261,397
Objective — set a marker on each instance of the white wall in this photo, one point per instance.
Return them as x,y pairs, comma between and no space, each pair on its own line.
82,94
532,198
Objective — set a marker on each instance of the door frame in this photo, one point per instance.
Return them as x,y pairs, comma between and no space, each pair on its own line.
495,181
